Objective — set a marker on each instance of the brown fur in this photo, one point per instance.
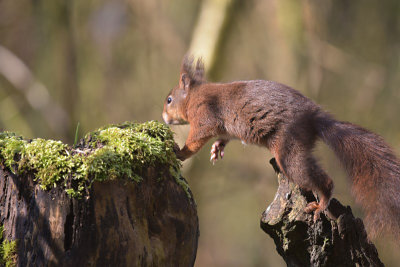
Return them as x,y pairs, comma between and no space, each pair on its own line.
278,117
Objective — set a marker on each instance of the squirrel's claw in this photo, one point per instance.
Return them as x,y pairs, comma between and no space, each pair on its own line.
315,207
311,207
217,150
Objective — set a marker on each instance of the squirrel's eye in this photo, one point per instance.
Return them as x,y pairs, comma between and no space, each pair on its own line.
169,100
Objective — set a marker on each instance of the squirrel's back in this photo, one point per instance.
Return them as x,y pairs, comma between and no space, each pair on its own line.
254,111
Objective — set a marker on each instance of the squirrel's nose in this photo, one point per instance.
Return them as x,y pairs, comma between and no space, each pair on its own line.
165,117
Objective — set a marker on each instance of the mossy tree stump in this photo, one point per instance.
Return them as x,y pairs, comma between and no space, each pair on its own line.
117,199
338,239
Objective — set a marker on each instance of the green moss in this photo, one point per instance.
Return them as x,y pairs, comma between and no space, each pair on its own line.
113,151
8,250
50,159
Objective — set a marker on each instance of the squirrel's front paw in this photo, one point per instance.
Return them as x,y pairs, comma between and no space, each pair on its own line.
176,148
217,150
178,152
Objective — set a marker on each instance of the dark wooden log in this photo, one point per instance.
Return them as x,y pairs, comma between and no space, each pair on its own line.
338,239
119,223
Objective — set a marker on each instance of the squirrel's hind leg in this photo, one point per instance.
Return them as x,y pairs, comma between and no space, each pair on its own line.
297,163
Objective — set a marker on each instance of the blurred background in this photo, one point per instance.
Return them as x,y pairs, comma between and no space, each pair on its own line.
108,61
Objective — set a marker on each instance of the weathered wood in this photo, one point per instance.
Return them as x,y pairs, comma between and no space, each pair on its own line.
338,239
120,223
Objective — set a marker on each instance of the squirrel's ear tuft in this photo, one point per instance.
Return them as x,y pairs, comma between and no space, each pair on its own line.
199,71
184,81
195,74
187,65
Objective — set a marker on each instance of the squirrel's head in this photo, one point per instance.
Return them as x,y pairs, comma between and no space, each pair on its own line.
175,103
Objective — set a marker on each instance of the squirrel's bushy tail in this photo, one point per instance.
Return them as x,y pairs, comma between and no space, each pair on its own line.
374,169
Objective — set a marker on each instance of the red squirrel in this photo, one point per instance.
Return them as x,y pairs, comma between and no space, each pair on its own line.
275,116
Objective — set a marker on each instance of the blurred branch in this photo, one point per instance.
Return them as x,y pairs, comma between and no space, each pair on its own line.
208,30
327,56
335,58
36,94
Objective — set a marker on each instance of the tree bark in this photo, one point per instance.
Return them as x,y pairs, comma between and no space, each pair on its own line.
119,223
338,239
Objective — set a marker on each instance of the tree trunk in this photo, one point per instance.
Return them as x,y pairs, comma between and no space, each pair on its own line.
340,240
119,223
